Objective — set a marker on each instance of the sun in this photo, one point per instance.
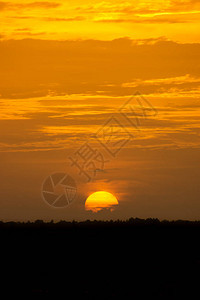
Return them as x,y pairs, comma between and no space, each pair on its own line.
101,200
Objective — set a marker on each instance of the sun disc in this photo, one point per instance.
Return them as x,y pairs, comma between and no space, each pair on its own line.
100,200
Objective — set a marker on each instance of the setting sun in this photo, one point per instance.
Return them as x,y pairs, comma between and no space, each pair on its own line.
100,200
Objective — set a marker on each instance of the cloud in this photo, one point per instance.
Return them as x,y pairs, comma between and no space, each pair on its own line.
40,5
49,70
145,20
29,33
170,12
22,17
38,67
51,19
77,18
181,84
16,6
184,5
141,8
3,5
22,29
49,126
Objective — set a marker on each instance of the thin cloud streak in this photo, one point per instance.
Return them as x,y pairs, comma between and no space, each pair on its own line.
32,5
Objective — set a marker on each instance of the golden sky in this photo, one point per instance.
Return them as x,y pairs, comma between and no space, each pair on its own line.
65,68
104,20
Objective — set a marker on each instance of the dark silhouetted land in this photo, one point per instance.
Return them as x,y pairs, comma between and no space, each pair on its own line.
136,259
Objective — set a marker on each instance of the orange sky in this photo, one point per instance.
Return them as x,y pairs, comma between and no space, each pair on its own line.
65,68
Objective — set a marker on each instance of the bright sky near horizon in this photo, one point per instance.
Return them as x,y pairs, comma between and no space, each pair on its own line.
66,67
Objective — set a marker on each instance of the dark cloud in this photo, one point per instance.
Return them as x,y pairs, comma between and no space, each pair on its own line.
36,67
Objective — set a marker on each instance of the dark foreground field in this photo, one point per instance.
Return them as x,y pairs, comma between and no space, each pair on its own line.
137,259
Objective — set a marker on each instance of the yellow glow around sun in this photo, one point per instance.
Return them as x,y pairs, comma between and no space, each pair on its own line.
100,200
